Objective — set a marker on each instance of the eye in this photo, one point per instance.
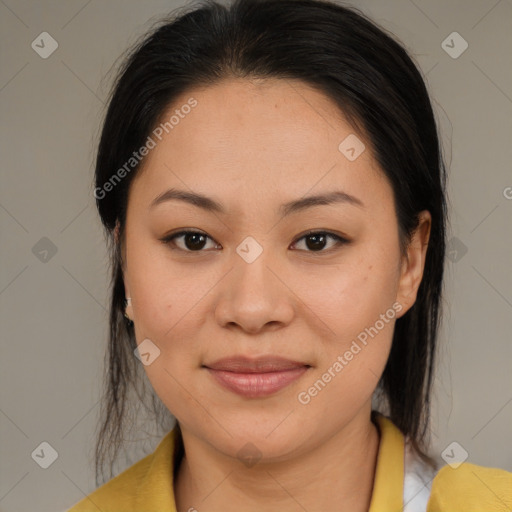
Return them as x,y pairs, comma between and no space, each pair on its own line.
316,241
196,241
191,241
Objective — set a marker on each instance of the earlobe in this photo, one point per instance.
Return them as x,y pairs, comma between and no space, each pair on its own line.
128,309
116,232
413,262
128,313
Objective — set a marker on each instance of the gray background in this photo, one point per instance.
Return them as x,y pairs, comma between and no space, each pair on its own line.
53,306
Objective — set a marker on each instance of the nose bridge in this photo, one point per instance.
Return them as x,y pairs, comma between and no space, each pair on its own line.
252,277
252,295
251,268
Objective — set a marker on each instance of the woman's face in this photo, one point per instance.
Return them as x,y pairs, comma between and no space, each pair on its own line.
255,286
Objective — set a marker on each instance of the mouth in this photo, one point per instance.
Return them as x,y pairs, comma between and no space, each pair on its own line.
256,378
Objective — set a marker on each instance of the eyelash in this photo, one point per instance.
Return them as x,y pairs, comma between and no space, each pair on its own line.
167,240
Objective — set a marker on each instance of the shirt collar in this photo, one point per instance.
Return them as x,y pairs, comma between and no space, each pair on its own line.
388,485
156,488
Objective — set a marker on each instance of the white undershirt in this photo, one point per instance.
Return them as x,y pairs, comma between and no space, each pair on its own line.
418,476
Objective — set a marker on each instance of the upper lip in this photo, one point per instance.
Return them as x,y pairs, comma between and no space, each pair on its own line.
267,364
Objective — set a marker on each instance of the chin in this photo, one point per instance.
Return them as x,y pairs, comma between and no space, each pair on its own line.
267,441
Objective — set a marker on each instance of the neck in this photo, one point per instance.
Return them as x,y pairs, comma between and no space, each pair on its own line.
336,474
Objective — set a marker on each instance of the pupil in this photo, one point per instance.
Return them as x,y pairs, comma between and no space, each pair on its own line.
194,241
318,241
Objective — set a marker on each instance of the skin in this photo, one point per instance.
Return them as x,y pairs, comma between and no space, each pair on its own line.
273,142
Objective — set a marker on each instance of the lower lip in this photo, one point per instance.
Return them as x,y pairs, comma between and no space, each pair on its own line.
256,385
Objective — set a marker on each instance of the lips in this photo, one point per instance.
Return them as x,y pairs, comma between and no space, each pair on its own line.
255,378
258,365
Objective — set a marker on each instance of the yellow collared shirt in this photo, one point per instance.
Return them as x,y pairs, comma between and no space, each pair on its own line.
402,484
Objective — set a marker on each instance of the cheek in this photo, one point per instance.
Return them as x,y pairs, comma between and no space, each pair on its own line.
167,295
350,297
356,302
358,307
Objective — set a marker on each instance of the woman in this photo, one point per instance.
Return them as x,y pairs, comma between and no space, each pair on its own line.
270,178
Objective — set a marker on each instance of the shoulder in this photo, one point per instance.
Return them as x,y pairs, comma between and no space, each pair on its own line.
469,487
120,491
123,492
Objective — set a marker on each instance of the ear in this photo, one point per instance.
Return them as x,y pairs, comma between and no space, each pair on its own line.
116,231
413,263
128,310
128,307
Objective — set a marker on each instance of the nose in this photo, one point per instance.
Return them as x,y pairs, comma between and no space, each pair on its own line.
254,296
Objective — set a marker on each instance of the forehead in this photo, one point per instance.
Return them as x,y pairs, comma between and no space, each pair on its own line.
259,139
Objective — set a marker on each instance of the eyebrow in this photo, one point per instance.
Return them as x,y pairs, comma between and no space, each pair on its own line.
210,205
